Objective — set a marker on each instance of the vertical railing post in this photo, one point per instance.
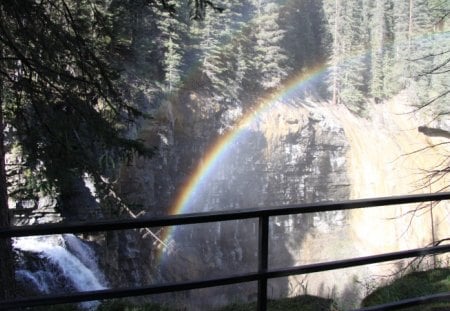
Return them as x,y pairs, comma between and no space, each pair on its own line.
263,261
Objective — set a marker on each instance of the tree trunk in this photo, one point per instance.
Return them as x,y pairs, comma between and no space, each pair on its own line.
7,279
410,25
335,52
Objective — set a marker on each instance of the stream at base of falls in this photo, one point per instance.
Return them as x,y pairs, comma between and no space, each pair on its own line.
57,264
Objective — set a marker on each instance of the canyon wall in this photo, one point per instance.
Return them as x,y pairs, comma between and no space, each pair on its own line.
301,152
292,153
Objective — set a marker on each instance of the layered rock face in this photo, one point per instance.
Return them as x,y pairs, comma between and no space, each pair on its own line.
287,155
293,153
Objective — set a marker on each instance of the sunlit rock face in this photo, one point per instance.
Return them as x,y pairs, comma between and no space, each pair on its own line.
289,155
386,156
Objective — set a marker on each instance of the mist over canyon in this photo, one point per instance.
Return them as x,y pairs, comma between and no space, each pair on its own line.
298,153
289,153
155,108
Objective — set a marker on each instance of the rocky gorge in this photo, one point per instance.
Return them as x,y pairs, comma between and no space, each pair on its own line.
125,109
290,153
296,152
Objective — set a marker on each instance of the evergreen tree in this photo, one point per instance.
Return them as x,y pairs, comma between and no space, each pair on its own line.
378,49
239,67
218,49
61,96
407,22
7,275
439,71
211,45
347,61
132,31
400,71
173,28
389,52
304,40
420,45
235,60
333,11
269,57
355,41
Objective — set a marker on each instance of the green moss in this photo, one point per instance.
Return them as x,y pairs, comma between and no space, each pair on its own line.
62,307
126,306
413,285
304,303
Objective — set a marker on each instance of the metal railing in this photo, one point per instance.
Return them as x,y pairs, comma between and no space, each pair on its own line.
263,273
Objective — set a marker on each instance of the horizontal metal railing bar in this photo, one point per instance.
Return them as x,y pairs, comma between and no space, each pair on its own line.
242,278
412,302
127,292
358,261
196,218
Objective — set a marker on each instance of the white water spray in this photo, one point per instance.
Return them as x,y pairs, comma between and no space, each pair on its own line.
74,259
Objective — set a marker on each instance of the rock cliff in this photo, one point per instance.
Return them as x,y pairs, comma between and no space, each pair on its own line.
289,154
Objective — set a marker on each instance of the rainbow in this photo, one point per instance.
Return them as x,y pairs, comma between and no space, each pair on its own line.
217,152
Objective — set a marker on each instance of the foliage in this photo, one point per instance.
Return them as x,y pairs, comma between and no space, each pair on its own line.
173,31
412,285
62,307
63,102
305,303
269,55
380,49
62,99
70,69
121,305
110,305
70,72
305,35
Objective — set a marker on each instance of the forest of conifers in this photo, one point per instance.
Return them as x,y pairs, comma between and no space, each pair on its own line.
71,72
71,63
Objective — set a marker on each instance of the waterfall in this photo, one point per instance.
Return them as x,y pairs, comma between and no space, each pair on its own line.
58,264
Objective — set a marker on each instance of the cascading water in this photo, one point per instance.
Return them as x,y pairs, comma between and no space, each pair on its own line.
57,264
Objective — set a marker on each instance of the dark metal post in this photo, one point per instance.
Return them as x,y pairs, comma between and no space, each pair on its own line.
263,261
